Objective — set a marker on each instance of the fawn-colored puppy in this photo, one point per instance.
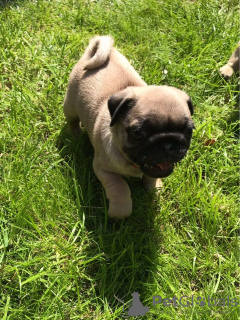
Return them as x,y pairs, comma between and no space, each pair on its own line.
136,130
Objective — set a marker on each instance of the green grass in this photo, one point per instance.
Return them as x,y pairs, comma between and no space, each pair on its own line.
60,255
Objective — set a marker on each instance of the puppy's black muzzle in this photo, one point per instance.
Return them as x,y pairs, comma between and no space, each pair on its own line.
168,149
156,158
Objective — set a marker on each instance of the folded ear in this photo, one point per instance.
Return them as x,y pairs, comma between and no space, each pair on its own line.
190,106
120,103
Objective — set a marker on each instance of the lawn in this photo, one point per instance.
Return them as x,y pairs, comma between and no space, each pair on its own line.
61,257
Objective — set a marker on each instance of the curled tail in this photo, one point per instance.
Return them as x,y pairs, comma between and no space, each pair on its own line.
98,51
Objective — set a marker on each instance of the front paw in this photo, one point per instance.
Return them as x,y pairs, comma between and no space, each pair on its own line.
152,183
226,71
120,210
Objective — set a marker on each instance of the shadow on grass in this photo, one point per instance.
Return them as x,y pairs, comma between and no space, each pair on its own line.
131,246
6,3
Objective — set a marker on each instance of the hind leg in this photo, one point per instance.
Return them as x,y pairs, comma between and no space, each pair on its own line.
72,117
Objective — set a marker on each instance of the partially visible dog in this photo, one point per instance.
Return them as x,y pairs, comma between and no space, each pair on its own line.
136,130
232,64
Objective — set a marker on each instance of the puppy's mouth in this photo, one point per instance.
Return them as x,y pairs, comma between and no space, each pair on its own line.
157,160
158,170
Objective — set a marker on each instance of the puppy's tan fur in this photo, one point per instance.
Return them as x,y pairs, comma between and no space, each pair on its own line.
102,72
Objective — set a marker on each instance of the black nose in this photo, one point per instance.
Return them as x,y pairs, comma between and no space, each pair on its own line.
169,148
172,147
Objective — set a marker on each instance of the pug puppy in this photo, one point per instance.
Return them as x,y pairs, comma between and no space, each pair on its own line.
232,64
136,130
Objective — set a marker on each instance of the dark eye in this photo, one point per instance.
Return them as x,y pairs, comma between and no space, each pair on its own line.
137,135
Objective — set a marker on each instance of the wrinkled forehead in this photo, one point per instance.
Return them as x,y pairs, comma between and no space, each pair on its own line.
155,121
169,100
160,111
